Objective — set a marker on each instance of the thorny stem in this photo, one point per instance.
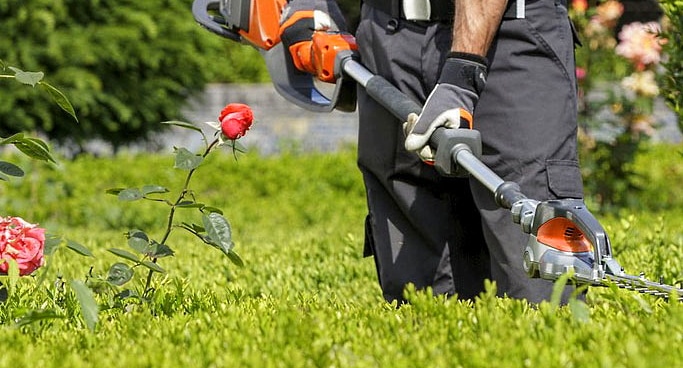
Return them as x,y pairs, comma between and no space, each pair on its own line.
171,214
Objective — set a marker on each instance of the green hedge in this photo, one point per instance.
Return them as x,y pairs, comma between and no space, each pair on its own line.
672,80
125,65
306,297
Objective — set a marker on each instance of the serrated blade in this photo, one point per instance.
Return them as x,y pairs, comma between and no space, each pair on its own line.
643,286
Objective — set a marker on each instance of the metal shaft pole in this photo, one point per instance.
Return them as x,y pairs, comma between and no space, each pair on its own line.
401,106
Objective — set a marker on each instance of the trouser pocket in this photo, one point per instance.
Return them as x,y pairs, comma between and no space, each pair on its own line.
564,178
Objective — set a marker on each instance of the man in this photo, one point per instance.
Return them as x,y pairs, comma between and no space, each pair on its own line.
507,70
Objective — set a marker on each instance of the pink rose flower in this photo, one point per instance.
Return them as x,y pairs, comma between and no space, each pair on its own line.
22,242
609,12
235,120
639,43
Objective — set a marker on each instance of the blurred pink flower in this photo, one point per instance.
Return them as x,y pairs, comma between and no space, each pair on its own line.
22,242
608,13
639,43
580,73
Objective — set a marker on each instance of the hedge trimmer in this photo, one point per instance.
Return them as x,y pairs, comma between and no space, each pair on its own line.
564,237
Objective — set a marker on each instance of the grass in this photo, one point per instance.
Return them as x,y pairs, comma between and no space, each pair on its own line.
306,297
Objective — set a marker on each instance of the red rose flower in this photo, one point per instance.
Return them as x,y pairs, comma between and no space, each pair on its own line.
22,242
235,120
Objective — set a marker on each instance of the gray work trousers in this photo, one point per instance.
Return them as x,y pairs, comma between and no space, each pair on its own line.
448,233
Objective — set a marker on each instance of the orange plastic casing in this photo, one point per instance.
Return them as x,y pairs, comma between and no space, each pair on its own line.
562,234
324,52
264,23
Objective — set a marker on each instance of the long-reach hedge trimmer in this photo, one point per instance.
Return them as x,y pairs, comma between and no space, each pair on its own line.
564,236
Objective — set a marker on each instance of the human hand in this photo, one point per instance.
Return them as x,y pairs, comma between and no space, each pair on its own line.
449,105
300,20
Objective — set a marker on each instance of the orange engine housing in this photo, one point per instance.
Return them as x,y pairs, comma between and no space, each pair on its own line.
325,48
563,235
264,23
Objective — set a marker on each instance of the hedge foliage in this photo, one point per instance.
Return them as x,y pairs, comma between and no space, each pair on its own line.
306,297
672,80
125,65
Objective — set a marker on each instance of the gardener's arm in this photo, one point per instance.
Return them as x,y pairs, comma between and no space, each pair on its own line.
475,25
463,75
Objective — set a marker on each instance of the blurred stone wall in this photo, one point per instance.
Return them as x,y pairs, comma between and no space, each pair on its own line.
278,124
281,125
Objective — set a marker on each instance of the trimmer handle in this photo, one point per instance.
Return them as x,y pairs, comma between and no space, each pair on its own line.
257,24
300,87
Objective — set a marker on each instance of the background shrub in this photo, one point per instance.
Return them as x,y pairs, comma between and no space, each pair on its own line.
672,80
125,65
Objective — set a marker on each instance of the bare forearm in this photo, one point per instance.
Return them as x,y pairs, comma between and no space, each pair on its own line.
475,25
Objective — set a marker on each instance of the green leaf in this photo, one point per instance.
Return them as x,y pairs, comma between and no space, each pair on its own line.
11,169
35,149
51,245
558,288
182,124
579,310
38,315
89,308
190,204
11,139
218,231
159,250
124,254
235,259
78,248
151,189
30,78
130,194
119,274
138,241
153,266
60,99
114,191
13,273
186,160
209,209
127,294
236,146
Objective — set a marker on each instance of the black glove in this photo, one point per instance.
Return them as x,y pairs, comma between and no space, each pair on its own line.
450,104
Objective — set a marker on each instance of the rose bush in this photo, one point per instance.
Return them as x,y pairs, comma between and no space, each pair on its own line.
22,242
214,230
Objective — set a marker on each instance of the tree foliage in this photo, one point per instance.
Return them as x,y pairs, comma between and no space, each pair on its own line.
126,65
